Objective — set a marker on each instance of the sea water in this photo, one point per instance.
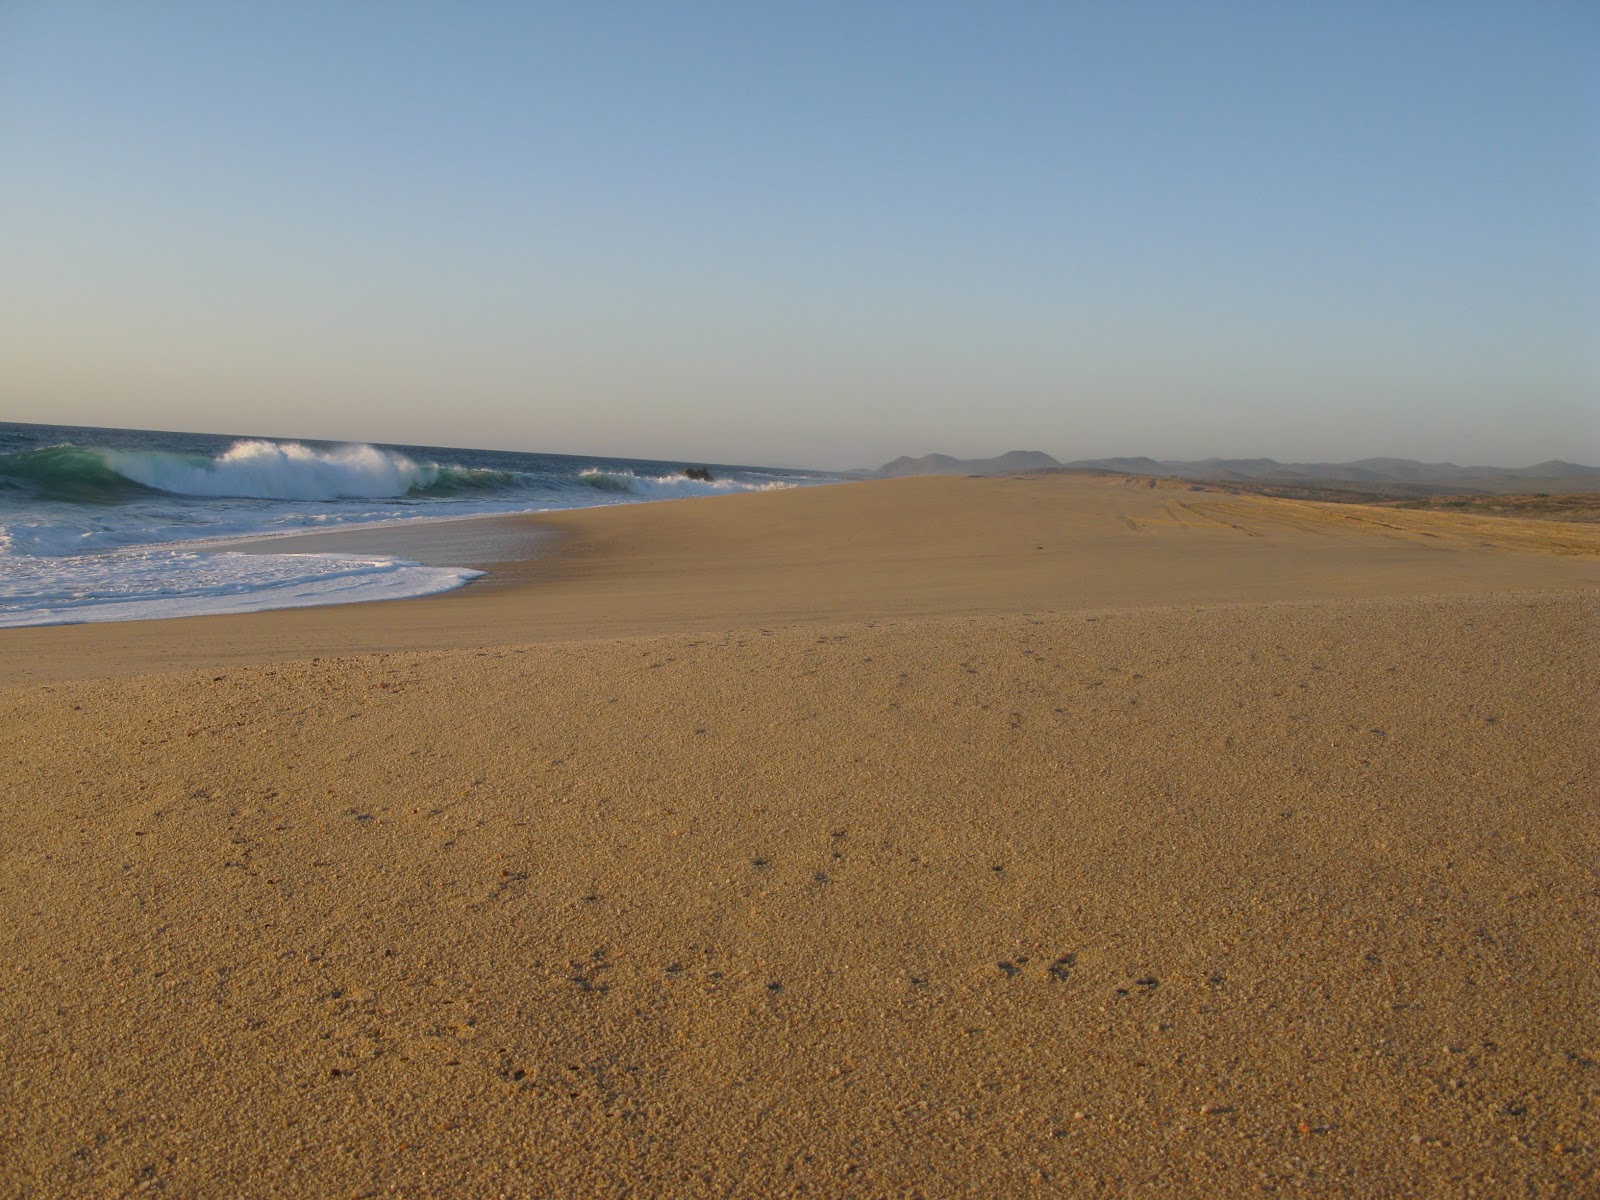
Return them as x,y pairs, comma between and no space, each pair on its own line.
123,524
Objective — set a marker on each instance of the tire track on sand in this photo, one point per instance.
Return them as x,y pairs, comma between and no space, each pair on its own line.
1206,515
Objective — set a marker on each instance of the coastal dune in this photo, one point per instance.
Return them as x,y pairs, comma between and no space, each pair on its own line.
920,837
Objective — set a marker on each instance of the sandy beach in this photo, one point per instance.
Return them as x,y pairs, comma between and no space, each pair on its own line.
1051,834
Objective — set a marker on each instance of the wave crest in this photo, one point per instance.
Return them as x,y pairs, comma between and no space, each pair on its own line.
248,470
666,487
260,470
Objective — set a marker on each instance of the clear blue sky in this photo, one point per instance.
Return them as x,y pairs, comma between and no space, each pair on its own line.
810,233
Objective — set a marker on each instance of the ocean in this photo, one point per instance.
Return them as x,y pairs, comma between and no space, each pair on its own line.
127,524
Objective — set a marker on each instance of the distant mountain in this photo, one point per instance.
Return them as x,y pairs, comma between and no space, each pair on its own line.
943,464
1126,466
1397,475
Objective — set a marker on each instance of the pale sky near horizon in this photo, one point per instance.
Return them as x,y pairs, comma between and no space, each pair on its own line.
814,234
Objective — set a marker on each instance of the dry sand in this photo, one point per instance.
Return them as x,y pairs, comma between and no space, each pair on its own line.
932,837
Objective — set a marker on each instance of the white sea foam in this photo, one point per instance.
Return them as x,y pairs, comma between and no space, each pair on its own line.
139,526
143,584
668,487
171,520
277,471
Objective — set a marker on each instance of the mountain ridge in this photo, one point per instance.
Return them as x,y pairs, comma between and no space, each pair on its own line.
1426,478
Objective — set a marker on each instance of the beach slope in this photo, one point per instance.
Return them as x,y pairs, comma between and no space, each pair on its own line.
926,837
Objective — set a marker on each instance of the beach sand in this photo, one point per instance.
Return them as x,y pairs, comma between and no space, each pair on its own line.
929,837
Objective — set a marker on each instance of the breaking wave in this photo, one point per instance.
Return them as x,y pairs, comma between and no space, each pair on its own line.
665,487
252,469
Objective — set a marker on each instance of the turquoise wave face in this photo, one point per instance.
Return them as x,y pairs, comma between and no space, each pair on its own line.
79,474
248,470
97,524
606,481
456,481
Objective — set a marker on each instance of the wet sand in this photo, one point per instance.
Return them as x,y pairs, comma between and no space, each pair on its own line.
934,837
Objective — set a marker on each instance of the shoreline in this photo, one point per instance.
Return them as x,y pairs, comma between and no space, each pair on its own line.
125,553
864,550
481,542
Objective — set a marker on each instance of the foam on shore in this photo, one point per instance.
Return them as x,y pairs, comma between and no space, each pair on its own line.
157,583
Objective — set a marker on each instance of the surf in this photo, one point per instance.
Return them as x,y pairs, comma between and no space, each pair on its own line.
250,469
667,487
107,524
